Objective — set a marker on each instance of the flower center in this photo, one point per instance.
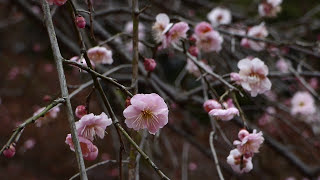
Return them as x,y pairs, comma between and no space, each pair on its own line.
301,104
147,114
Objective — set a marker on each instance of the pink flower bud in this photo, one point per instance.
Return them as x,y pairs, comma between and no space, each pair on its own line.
242,134
235,76
149,64
10,152
194,51
80,22
47,98
128,103
81,111
211,104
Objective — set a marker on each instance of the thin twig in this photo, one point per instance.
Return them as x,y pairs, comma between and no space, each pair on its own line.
214,154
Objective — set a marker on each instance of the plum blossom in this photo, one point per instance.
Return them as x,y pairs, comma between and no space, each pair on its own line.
90,125
238,162
225,112
146,111
210,104
260,31
249,142
49,116
207,39
161,27
82,61
192,68
10,152
88,149
81,110
302,103
219,16
282,65
176,33
141,33
270,8
253,76
100,55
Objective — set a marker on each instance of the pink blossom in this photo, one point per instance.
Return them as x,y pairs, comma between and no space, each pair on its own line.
193,166
235,77
270,8
141,29
82,61
211,104
177,32
29,144
219,16
90,125
194,51
224,114
81,110
259,31
302,103
48,117
238,162
202,28
253,76
100,55
10,152
149,64
314,83
146,111
80,22
282,65
193,68
88,149
161,27
249,144
207,39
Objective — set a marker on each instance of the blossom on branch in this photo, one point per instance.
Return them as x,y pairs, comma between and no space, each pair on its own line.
146,111
207,39
302,103
88,149
238,162
249,142
90,125
225,112
161,27
260,31
253,76
219,16
48,117
100,55
270,8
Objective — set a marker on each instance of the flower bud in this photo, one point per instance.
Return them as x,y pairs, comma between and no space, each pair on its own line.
211,104
149,64
80,22
242,134
10,152
81,111
194,51
128,103
47,98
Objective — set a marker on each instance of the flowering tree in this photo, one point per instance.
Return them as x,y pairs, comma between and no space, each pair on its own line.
155,80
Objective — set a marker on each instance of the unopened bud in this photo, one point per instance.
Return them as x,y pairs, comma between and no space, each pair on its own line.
81,110
80,22
10,152
149,64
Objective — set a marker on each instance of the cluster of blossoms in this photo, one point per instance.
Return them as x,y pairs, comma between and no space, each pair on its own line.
88,127
219,16
260,31
269,8
146,111
48,117
207,39
167,33
252,76
225,111
240,159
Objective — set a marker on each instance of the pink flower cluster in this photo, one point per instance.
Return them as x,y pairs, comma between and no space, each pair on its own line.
192,68
100,55
219,16
240,159
167,33
260,31
146,111
207,39
270,8
88,127
82,61
224,112
48,117
252,76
